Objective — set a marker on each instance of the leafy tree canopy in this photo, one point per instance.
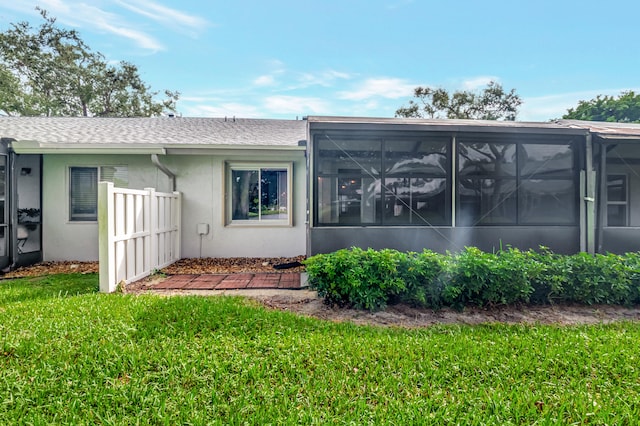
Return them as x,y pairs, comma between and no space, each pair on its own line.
50,71
624,109
492,103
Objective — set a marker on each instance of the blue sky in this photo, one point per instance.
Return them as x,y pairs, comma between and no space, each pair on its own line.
288,59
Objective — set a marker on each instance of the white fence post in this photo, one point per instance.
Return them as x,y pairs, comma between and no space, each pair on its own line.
153,229
106,249
148,227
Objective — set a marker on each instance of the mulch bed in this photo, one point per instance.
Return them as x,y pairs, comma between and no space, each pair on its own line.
208,265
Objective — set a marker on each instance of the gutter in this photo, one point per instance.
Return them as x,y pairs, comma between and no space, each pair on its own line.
34,147
164,169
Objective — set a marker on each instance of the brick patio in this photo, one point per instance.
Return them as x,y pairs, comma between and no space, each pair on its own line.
229,281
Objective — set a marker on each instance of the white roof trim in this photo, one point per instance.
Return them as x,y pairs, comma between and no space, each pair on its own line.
33,147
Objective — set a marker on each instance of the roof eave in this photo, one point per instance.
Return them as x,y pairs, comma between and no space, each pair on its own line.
450,126
34,147
612,137
247,147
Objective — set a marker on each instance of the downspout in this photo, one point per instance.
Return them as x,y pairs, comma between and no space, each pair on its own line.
164,169
310,193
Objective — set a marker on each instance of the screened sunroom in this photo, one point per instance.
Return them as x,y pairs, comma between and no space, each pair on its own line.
617,156
444,185
20,208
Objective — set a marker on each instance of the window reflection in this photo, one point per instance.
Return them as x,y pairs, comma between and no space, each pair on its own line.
259,194
484,158
427,157
419,201
362,157
378,182
487,201
494,188
547,201
545,159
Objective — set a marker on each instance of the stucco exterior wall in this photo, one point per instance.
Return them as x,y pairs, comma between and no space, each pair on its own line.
201,179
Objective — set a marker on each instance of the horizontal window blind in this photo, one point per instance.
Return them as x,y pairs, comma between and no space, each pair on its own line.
83,194
83,189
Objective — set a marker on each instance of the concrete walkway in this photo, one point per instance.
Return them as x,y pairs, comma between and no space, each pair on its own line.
230,281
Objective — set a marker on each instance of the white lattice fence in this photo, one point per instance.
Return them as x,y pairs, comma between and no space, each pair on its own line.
139,231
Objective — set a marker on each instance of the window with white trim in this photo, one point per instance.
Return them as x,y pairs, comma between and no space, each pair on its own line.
259,194
83,189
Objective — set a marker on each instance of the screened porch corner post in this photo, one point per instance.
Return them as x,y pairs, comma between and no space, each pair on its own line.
590,196
601,213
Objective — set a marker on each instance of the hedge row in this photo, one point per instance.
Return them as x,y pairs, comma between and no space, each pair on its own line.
370,279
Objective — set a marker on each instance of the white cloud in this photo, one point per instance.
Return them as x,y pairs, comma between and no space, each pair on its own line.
324,78
166,16
297,80
390,88
276,65
303,80
96,16
141,39
264,80
83,15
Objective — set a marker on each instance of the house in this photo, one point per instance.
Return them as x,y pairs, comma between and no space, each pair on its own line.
270,188
243,180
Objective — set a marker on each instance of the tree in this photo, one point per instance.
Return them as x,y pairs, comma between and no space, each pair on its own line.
50,71
624,109
493,103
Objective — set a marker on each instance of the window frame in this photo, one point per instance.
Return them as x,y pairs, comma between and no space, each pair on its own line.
625,202
99,173
519,177
332,179
230,167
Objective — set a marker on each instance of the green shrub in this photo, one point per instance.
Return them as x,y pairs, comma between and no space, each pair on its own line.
364,279
547,274
597,279
327,275
632,263
369,279
481,278
424,275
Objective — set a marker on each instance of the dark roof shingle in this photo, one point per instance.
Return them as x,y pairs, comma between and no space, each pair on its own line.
154,131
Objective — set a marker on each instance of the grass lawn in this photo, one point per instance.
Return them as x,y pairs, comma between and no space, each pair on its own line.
69,355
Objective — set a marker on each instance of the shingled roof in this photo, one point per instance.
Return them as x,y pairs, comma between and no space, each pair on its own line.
606,130
173,134
160,131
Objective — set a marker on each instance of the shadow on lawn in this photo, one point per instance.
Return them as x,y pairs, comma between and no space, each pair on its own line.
47,287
